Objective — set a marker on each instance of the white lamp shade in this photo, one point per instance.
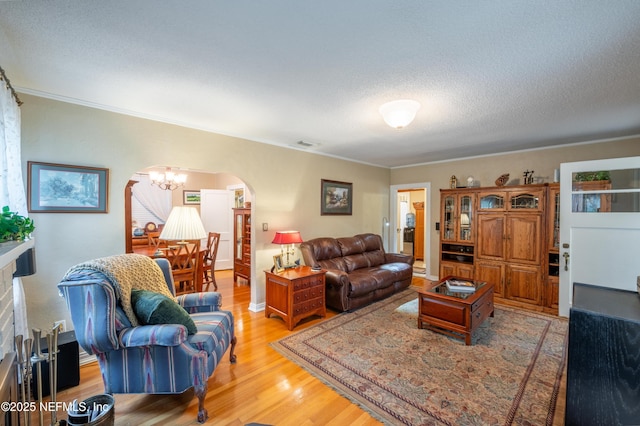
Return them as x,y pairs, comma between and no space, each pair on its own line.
183,224
399,114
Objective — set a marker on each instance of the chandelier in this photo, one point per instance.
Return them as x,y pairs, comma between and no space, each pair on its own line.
168,180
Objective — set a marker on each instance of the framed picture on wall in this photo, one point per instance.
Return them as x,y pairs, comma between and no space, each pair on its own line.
62,188
238,197
190,197
336,198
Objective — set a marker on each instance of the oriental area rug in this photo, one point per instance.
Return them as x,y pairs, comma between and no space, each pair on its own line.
378,358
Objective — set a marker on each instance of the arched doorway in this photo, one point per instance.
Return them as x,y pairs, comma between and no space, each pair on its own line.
199,186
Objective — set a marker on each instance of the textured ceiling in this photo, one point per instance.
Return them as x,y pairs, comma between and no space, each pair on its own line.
492,76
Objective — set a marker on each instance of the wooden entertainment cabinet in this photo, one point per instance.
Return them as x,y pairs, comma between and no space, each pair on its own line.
504,235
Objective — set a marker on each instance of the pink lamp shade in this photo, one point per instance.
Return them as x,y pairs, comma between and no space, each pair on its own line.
287,237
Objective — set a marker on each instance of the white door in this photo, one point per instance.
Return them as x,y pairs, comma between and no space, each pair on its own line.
599,225
217,216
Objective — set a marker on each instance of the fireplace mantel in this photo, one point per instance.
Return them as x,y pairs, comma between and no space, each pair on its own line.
9,252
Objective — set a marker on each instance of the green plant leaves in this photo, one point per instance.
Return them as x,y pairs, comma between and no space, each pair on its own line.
14,227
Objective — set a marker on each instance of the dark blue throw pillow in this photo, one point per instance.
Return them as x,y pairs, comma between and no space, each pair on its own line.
154,308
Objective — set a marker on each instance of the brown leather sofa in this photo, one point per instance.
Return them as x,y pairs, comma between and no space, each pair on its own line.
359,271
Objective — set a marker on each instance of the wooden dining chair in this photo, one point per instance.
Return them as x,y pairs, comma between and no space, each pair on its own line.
154,238
208,270
184,264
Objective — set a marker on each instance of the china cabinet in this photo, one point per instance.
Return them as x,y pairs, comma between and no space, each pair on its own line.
457,210
242,244
457,232
510,241
499,235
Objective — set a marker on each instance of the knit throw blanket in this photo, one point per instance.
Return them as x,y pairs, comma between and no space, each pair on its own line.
127,272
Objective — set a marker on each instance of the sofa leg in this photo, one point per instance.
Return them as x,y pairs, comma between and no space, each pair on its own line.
201,392
232,356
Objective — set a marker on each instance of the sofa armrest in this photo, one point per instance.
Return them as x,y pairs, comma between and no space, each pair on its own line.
337,288
209,301
153,335
336,278
398,257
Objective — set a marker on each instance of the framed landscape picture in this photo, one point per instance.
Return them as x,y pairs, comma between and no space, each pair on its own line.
190,197
61,188
336,198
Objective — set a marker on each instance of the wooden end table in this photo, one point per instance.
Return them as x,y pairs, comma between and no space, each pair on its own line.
295,294
455,314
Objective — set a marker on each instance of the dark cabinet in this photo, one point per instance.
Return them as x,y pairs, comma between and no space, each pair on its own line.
603,365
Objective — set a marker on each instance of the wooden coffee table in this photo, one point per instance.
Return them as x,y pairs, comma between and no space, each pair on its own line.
455,314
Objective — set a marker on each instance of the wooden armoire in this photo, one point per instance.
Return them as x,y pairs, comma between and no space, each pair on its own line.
503,235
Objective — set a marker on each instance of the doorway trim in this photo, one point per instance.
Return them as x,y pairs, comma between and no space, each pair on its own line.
393,218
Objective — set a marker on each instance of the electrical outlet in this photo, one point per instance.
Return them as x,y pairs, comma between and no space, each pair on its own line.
62,324
265,226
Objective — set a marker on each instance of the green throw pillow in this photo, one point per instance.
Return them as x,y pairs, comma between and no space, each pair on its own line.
155,308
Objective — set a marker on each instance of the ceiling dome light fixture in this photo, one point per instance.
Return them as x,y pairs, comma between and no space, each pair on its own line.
399,114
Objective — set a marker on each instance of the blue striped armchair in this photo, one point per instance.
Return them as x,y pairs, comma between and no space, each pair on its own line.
155,359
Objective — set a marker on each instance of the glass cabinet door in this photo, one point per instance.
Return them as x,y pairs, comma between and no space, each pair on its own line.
238,236
466,218
525,201
555,242
492,202
448,214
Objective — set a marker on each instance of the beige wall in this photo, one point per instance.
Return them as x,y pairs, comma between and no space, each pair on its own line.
485,170
285,185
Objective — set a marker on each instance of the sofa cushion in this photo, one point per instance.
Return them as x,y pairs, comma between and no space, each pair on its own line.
356,261
335,263
399,271
351,245
364,281
375,257
370,242
154,308
326,248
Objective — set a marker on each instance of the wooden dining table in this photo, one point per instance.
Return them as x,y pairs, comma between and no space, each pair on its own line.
152,252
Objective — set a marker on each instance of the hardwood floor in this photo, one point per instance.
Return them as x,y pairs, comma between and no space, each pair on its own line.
262,387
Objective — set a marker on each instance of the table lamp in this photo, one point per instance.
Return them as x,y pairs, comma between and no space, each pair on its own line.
183,224
287,239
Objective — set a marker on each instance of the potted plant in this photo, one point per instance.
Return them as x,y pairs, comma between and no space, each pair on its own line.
14,227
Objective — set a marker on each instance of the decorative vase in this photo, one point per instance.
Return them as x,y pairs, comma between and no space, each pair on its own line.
502,180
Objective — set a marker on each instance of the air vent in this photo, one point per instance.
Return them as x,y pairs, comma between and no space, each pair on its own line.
303,144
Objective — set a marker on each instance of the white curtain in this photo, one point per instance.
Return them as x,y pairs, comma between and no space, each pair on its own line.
12,192
157,201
